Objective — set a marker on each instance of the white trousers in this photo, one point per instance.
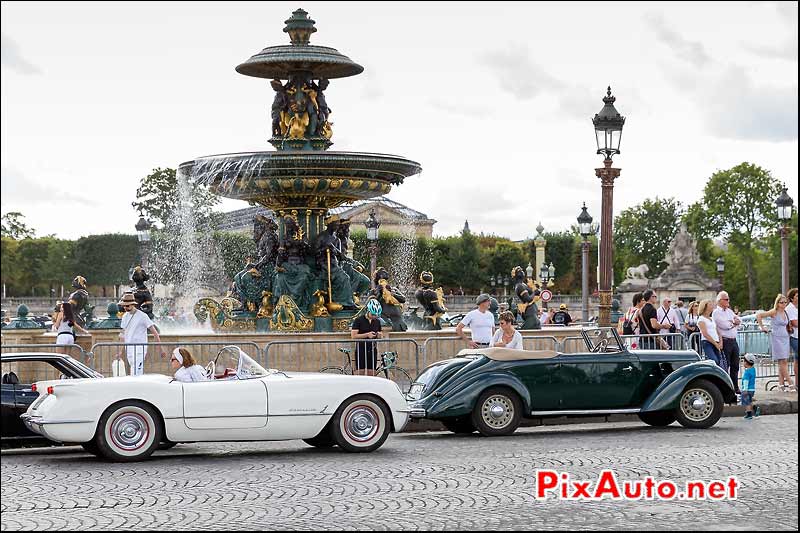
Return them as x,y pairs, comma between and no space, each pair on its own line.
136,357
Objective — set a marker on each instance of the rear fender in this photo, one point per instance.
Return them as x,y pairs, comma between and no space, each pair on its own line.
666,396
460,399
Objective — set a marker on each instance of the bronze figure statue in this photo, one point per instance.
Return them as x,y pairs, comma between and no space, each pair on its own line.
79,299
144,300
528,296
432,301
390,299
331,274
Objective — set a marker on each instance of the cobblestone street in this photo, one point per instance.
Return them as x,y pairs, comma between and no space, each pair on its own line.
416,481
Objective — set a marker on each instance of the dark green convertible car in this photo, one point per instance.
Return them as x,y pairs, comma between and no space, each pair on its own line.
490,390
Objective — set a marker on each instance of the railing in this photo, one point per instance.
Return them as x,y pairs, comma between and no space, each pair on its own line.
311,356
31,371
440,348
73,350
104,354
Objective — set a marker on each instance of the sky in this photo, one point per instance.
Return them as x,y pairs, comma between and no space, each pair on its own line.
493,99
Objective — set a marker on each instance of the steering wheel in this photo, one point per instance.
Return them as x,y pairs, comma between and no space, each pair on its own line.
210,368
601,346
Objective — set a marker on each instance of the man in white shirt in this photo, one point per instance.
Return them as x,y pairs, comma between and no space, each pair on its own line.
135,325
791,311
669,319
480,322
728,324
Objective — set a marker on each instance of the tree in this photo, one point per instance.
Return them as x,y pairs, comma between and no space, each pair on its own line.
737,205
106,259
561,250
642,234
159,198
13,227
503,257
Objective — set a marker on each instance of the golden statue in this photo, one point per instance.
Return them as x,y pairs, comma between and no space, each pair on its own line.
318,308
266,308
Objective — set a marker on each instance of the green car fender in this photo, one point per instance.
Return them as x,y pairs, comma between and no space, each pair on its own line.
666,396
459,399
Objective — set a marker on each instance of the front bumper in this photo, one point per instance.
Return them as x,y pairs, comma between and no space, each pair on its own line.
418,412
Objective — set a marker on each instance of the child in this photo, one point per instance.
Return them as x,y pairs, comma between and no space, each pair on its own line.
749,386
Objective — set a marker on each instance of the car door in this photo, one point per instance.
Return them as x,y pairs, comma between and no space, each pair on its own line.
600,381
543,380
225,404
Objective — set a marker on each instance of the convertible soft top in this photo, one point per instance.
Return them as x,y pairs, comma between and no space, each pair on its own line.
507,354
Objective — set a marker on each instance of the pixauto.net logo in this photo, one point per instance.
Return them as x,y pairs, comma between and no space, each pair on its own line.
560,485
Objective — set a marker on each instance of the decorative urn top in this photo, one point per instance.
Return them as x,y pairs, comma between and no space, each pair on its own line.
283,62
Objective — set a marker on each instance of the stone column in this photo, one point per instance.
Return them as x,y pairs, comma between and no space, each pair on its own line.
607,176
540,243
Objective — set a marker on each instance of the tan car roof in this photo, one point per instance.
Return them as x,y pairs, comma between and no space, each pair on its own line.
507,354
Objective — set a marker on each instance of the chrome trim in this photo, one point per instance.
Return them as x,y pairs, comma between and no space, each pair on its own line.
417,413
39,420
588,412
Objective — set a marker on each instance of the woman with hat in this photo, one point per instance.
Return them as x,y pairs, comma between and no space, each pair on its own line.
185,367
135,325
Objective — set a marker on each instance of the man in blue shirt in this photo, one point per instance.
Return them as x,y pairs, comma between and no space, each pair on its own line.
749,386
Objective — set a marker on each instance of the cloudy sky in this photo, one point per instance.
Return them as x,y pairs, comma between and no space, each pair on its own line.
493,99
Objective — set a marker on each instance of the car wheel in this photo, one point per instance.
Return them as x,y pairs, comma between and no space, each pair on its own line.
91,447
700,405
462,426
361,424
129,431
657,418
497,412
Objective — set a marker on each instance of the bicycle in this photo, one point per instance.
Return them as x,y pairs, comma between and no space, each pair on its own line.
387,367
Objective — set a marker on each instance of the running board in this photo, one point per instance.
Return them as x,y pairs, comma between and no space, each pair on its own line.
587,412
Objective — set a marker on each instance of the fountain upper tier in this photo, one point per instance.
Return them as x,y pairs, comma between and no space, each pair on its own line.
314,179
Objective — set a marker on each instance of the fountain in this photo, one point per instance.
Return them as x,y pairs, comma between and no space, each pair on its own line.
300,281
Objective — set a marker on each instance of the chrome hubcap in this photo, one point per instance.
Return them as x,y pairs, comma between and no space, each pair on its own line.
697,404
361,423
497,411
129,431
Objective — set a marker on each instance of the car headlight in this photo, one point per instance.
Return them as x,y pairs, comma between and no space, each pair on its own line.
416,390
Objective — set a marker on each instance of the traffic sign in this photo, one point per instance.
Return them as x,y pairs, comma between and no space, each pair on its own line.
546,295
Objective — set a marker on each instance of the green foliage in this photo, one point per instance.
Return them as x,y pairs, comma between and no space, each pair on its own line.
106,259
504,256
13,227
738,206
158,198
561,251
642,234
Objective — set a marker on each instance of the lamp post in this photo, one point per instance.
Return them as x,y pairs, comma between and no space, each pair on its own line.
720,262
544,276
608,132
143,233
784,204
506,279
585,228
372,224
551,272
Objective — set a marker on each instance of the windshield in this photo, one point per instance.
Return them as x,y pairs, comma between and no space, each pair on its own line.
602,340
232,361
89,371
424,380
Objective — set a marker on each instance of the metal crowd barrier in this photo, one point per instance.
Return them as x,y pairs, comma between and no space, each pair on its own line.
312,356
73,350
104,353
441,348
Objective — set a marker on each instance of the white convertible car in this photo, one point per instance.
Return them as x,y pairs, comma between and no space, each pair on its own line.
127,418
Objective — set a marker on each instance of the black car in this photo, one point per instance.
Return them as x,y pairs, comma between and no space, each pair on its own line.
20,370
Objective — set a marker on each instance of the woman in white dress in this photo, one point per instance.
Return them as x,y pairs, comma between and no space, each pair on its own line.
65,326
185,367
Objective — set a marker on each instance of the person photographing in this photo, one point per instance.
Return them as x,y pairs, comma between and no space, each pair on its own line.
368,328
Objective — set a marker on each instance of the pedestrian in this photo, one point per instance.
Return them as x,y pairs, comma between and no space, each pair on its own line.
562,317
669,319
690,326
367,326
629,323
649,326
480,322
791,310
749,386
728,324
779,339
507,336
547,317
681,312
185,367
65,326
711,340
135,324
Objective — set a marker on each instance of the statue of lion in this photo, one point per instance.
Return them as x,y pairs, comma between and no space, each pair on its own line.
638,272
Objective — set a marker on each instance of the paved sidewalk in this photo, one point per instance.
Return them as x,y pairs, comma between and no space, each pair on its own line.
771,403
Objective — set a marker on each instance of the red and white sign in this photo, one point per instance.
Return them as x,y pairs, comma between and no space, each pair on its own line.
546,295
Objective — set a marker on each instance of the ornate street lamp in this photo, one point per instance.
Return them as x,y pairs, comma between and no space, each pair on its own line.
143,233
529,270
551,271
608,132
506,280
372,224
720,262
784,204
585,228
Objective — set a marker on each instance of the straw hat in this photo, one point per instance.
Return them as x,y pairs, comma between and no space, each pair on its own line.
127,299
